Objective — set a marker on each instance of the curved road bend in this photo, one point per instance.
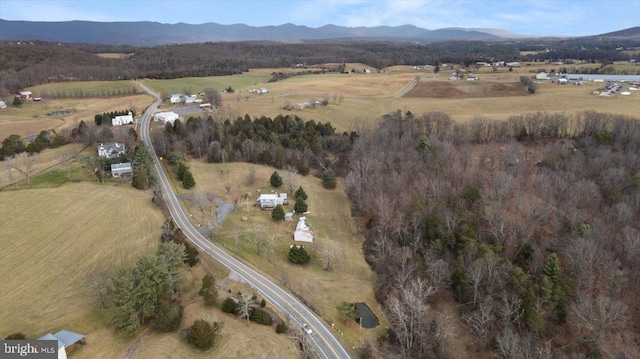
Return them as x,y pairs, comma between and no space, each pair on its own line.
326,345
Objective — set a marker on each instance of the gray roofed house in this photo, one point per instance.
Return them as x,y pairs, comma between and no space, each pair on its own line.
119,169
110,150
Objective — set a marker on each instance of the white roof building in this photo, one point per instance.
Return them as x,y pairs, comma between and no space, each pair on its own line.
165,117
303,233
122,120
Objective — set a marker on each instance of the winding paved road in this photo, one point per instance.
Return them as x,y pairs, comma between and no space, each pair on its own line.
326,345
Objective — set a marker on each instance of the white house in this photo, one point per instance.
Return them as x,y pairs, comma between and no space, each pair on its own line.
119,169
25,95
122,120
110,150
175,98
190,99
270,200
542,76
3,105
562,81
165,117
262,90
303,233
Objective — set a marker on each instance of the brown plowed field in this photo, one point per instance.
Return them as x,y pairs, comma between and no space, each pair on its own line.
466,89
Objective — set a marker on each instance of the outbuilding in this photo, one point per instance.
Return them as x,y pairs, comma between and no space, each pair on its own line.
165,117
120,169
303,233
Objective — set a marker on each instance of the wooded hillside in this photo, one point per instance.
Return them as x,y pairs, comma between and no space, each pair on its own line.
532,225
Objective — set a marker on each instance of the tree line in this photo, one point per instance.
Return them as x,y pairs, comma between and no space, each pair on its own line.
278,142
531,224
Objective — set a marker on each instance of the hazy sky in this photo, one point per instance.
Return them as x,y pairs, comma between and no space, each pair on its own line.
534,17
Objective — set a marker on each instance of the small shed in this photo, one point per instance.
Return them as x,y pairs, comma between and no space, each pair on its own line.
288,216
119,169
3,104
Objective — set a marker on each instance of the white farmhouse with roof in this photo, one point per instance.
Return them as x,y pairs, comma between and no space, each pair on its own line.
122,120
270,200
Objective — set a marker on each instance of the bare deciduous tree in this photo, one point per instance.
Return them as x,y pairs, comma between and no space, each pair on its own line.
290,177
598,315
246,306
97,281
23,163
331,255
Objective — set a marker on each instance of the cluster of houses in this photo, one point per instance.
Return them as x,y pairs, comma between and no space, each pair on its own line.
261,90
456,76
111,151
268,201
180,98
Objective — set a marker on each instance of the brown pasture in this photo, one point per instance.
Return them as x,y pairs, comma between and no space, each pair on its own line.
358,100
31,118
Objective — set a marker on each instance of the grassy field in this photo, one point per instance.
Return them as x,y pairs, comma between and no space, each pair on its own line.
79,89
358,100
240,82
53,238
45,161
31,118
351,280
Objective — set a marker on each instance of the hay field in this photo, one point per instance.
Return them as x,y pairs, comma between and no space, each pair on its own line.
52,238
330,219
240,82
31,118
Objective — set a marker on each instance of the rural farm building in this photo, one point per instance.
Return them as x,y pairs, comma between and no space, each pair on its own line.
270,200
303,233
175,98
3,104
25,95
122,120
119,169
165,117
67,340
542,76
110,150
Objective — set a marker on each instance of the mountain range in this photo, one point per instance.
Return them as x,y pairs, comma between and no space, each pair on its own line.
146,33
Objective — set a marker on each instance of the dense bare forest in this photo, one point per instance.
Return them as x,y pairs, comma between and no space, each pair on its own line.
532,225
29,63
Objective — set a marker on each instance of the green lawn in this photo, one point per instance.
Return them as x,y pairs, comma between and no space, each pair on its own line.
240,82
85,89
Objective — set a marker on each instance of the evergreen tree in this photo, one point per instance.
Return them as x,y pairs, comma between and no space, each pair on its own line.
181,169
169,316
229,306
300,206
143,172
329,179
209,291
188,181
276,180
278,213
300,193
17,102
202,334
298,255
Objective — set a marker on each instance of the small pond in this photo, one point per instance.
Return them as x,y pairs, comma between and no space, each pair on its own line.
365,316
59,113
